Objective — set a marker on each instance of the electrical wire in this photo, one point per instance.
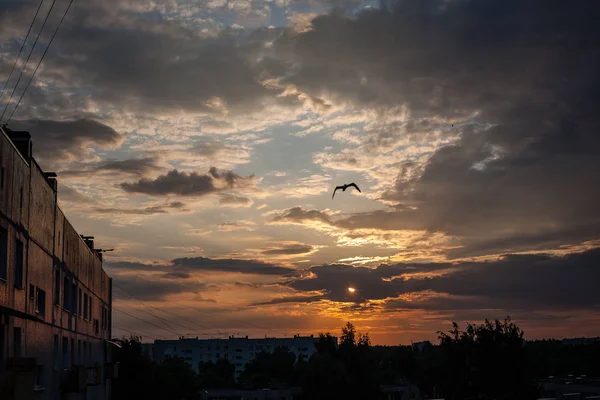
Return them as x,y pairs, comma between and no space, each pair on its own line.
148,322
40,62
133,333
149,307
28,57
21,49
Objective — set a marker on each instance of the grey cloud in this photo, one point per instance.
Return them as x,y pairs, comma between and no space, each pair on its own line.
231,266
152,210
290,299
535,92
176,275
134,166
188,184
148,289
59,140
155,64
289,249
299,215
227,198
522,282
188,265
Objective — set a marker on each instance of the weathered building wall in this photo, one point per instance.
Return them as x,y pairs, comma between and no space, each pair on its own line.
58,315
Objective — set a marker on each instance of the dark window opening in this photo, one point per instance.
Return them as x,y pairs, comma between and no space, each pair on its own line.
74,298
66,294
17,341
65,351
3,253
31,291
57,287
85,306
79,305
55,352
40,307
19,264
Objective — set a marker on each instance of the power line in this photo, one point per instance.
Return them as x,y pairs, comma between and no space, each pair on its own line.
142,303
21,49
41,59
28,57
167,322
168,312
132,332
148,322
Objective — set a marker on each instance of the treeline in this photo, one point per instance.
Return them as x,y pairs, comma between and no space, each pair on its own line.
491,360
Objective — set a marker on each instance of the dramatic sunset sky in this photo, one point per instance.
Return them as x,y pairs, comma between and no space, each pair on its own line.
202,141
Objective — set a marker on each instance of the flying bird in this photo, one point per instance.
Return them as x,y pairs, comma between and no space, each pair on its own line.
344,188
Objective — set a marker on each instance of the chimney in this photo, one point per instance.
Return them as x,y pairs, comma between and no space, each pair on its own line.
89,240
51,179
22,141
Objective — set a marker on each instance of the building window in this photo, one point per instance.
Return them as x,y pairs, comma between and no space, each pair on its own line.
85,306
31,291
19,264
65,352
17,341
79,305
57,287
3,253
40,305
72,351
96,330
66,292
74,298
90,313
55,354
79,354
39,377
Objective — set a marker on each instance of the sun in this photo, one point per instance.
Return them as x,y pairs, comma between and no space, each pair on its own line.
351,290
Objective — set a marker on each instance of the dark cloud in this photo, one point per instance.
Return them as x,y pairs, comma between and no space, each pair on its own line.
176,275
290,299
56,141
519,282
156,63
189,184
134,166
232,266
160,209
299,215
526,166
231,199
134,266
180,266
289,249
146,288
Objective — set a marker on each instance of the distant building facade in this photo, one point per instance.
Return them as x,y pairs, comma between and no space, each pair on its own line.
239,351
55,298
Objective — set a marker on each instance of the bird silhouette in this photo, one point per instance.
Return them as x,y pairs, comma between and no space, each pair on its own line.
344,188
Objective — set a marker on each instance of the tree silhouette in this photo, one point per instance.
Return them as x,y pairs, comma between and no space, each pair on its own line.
486,360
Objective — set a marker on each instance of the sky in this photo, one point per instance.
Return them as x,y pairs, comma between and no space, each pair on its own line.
202,141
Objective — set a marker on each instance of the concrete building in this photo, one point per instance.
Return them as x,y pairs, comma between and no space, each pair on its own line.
55,298
238,351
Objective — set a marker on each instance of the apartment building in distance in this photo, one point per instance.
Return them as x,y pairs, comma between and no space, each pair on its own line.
238,350
55,298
